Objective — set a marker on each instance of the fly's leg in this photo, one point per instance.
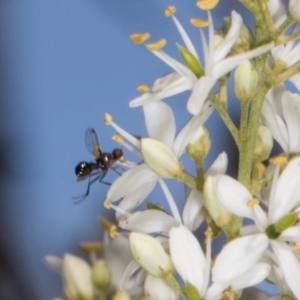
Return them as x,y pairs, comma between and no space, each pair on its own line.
79,199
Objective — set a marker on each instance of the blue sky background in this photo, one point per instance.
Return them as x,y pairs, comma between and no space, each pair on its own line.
64,63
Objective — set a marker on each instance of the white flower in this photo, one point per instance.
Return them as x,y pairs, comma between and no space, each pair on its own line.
277,11
216,65
77,275
294,9
157,221
281,114
284,198
236,271
136,183
157,289
149,253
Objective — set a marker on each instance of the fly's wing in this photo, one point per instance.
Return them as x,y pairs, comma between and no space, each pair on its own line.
91,142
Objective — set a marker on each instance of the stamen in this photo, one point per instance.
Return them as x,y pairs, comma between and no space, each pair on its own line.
170,10
297,248
197,22
118,138
143,88
109,226
89,247
156,45
139,38
207,4
107,118
106,203
229,294
279,159
252,202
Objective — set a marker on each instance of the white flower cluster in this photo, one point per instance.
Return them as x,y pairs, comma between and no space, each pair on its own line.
154,253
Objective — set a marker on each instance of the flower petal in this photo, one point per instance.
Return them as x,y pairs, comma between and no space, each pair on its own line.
199,94
185,251
149,221
135,198
247,251
232,35
130,181
254,276
192,214
289,265
287,191
160,122
233,195
219,166
190,128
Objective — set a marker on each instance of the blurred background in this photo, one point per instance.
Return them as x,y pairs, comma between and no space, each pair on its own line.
64,63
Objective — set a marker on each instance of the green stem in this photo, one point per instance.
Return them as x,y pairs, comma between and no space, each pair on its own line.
222,110
247,144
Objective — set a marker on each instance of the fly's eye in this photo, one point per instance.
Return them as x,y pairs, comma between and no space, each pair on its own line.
117,153
81,169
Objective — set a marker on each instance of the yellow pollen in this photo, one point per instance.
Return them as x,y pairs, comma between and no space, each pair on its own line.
106,204
139,38
156,45
208,232
109,226
252,202
143,88
207,4
118,138
107,118
297,248
279,159
199,22
261,170
170,10
91,247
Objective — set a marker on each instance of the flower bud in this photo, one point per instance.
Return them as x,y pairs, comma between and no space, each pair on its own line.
77,274
263,144
245,40
294,9
199,144
158,289
216,210
149,253
245,81
101,276
160,158
121,295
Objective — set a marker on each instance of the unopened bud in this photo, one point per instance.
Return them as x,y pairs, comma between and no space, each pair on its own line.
101,276
294,9
199,144
245,81
121,295
149,253
263,144
77,274
160,158
216,210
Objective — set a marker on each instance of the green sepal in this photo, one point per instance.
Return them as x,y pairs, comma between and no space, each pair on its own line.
157,206
191,292
191,61
274,231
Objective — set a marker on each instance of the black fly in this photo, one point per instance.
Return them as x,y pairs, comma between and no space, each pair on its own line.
95,170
